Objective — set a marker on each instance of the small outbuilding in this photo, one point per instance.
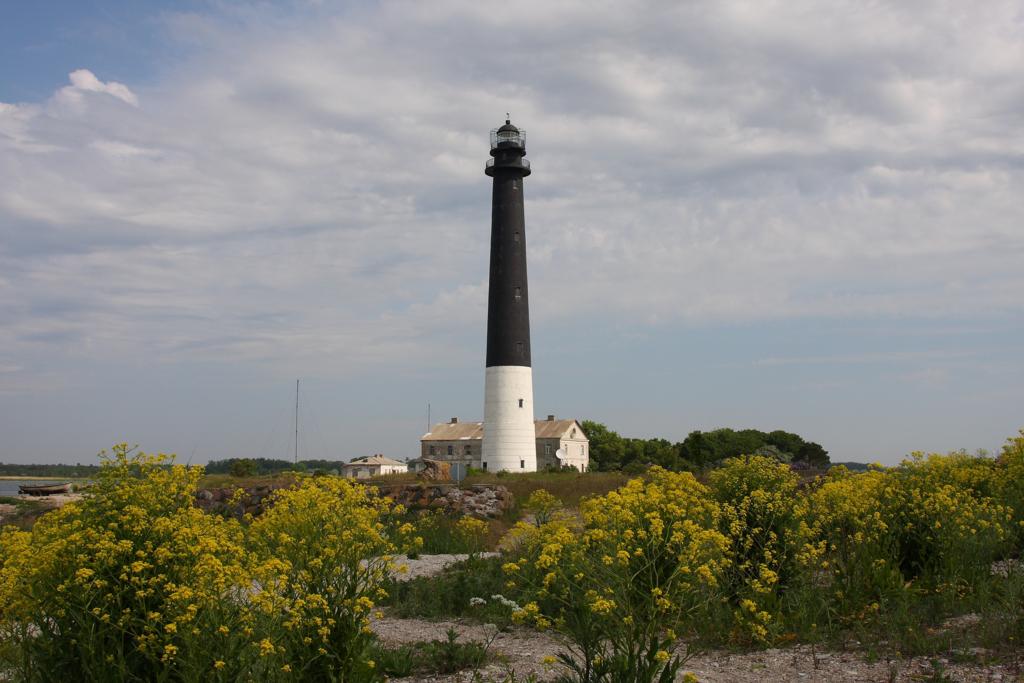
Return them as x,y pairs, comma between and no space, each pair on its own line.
372,466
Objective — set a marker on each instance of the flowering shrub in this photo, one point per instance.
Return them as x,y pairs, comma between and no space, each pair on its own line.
127,582
134,582
1011,486
766,522
853,556
443,533
946,533
622,582
332,541
542,506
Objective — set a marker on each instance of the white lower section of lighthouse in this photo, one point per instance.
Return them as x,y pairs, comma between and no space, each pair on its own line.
510,442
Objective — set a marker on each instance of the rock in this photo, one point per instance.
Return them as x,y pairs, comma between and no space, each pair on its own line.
435,470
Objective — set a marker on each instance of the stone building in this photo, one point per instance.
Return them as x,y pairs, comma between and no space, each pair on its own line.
559,443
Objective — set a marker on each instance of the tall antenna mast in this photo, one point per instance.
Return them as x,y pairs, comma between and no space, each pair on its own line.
428,417
296,421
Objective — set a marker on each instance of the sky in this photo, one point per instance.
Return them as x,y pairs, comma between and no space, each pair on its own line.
780,215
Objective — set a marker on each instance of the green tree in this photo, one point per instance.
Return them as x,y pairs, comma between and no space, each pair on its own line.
607,448
243,467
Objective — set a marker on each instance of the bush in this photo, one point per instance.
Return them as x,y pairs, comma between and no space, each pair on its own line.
333,540
641,566
765,521
128,583
445,534
135,583
1011,486
542,506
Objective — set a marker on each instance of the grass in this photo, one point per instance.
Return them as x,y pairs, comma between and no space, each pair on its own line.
450,593
434,657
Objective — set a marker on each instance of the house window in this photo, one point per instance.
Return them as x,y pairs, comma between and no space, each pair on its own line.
522,464
547,449
468,449
433,451
485,466
520,403
581,450
574,432
451,450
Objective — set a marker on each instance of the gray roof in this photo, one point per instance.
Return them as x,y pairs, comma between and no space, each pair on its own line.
455,431
375,460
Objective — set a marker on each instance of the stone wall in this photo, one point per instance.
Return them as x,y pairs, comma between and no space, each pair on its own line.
220,500
480,500
483,501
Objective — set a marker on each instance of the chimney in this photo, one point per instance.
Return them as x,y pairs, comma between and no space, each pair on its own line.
551,418
455,420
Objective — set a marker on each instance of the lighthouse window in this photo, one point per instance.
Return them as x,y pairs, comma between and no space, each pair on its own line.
520,403
519,294
519,348
515,236
522,464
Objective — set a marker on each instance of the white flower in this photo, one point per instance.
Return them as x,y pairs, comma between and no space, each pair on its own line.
511,604
476,602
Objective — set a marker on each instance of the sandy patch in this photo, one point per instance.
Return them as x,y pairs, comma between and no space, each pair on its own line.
427,565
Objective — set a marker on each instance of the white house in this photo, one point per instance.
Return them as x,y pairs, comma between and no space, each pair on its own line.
372,466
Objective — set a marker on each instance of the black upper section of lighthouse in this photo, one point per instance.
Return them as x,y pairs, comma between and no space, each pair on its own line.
508,305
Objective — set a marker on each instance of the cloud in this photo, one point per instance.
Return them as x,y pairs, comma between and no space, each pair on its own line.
306,186
83,80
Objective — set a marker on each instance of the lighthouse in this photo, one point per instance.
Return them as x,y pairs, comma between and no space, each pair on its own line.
509,441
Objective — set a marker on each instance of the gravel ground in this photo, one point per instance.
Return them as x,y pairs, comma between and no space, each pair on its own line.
523,650
427,565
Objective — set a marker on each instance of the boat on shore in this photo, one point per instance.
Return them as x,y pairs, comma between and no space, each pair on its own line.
44,489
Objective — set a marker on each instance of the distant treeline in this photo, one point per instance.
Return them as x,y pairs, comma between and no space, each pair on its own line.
247,467
609,451
76,471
